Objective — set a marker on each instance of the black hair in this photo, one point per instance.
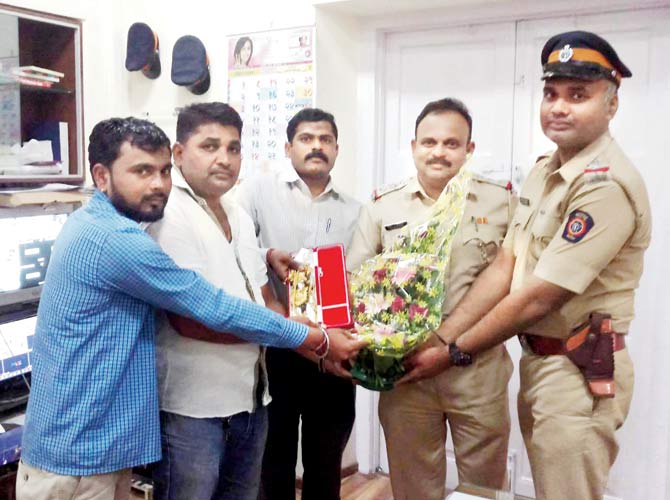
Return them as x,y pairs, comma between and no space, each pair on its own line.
309,115
238,47
442,106
201,113
108,135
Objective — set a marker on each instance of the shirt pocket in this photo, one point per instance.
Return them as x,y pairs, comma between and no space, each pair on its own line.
392,231
521,217
544,228
481,242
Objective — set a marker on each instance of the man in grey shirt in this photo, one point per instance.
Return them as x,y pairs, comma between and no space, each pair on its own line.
293,209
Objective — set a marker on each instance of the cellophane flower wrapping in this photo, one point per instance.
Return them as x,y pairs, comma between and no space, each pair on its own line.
398,294
302,287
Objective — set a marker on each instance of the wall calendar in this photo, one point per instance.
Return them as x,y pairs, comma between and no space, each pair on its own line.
270,78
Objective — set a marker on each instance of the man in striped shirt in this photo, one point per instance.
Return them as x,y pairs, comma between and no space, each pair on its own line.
300,207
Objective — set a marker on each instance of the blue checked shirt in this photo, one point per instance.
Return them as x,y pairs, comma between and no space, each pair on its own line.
93,406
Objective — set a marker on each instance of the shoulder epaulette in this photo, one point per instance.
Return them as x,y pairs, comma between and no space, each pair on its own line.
544,156
505,184
389,188
595,172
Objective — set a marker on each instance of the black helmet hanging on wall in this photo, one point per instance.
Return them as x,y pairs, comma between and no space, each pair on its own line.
142,51
190,65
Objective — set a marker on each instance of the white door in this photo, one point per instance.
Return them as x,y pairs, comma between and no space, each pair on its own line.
495,70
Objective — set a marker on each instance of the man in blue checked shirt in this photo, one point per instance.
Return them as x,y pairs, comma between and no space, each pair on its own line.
93,409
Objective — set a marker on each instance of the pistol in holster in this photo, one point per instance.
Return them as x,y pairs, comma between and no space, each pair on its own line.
590,347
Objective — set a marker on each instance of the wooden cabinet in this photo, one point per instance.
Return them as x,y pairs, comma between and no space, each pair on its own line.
30,106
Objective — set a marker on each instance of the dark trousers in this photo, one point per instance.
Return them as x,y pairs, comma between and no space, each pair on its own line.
325,403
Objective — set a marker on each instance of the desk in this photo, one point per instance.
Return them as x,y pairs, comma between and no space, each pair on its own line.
482,492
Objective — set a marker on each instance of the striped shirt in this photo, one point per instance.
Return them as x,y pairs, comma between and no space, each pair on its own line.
93,407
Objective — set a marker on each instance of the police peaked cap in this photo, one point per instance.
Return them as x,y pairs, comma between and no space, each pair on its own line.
190,64
582,55
142,51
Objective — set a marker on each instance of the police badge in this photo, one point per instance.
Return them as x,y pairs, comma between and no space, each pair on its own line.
565,54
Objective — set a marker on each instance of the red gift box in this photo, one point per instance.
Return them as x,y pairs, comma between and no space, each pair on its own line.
328,271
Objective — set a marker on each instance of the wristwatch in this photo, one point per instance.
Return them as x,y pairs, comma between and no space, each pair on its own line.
458,357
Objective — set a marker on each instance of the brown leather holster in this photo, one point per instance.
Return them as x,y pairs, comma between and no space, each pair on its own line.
590,347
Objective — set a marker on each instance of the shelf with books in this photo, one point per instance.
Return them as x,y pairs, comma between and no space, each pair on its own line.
25,87
48,81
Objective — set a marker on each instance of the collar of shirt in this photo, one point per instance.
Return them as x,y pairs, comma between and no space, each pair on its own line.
576,165
179,182
290,176
415,188
101,204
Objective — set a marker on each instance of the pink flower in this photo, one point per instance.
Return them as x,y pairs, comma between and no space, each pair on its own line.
378,303
384,330
379,275
403,275
397,305
360,307
414,309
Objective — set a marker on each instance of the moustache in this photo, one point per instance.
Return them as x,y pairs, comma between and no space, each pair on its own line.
221,171
316,154
438,161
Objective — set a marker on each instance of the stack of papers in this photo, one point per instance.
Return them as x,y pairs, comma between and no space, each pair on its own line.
36,76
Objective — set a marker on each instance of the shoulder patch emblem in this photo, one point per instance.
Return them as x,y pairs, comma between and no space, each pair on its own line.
596,174
578,225
389,188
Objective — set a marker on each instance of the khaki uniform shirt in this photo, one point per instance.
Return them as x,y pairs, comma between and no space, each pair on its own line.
583,226
396,210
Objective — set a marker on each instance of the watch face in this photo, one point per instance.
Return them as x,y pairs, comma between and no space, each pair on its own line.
458,357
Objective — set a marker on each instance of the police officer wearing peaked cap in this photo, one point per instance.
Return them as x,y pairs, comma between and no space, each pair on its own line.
582,55
565,277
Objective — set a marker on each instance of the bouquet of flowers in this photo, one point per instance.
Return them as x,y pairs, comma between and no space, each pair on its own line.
398,294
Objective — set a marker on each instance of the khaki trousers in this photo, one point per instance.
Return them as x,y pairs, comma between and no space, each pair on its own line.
569,434
36,484
473,402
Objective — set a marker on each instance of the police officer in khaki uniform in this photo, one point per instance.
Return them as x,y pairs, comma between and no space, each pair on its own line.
473,402
572,258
